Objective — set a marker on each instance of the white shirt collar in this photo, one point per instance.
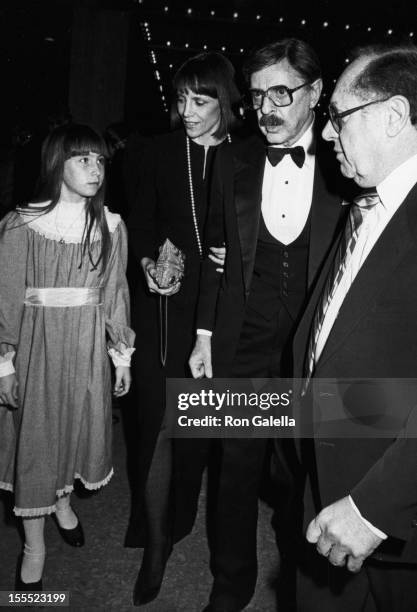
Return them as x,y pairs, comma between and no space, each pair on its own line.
306,141
396,186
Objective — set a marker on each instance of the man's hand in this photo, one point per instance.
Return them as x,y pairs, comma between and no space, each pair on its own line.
148,267
218,255
8,390
200,360
340,534
123,379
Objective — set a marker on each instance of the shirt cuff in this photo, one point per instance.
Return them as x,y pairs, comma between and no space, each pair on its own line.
204,332
374,529
6,364
121,357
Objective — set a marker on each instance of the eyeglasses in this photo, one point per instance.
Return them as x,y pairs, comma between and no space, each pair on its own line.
335,117
280,95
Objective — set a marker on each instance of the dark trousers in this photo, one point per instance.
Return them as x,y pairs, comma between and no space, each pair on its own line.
234,558
378,587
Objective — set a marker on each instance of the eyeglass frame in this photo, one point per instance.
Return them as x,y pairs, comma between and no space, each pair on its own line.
334,116
265,94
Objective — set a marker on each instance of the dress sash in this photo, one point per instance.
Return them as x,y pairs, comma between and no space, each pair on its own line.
63,297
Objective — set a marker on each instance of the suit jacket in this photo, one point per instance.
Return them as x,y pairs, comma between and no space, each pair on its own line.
374,337
234,214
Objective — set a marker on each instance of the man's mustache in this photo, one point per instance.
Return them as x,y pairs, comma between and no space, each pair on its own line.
270,120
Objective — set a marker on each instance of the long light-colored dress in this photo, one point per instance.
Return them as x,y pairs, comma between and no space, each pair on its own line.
62,427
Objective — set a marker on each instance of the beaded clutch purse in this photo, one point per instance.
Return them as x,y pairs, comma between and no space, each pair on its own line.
169,265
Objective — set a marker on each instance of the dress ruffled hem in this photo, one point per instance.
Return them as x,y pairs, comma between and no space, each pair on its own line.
67,489
6,486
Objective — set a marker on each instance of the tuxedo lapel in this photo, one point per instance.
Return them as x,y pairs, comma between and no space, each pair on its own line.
249,170
397,238
325,211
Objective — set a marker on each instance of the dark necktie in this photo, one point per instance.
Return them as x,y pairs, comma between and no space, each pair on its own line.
275,155
362,204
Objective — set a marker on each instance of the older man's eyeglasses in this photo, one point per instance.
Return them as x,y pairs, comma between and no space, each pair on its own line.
335,117
280,95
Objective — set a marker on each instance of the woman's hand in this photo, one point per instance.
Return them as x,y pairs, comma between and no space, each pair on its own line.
8,390
218,255
123,381
149,269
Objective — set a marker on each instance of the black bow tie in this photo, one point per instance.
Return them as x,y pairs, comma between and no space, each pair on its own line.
275,155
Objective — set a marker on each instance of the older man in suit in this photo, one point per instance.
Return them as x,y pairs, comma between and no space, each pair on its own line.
276,209
361,323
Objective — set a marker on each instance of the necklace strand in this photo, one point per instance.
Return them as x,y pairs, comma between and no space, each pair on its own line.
63,234
190,182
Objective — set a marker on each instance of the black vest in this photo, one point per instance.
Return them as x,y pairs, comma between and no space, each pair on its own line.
279,274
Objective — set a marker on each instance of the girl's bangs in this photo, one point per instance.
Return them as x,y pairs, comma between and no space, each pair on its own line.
83,145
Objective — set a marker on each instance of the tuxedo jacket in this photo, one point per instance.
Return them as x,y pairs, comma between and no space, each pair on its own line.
234,215
373,337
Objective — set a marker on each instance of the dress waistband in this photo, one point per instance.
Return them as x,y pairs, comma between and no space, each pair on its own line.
63,297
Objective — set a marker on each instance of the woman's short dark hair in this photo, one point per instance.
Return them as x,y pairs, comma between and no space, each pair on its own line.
210,74
299,54
62,143
392,70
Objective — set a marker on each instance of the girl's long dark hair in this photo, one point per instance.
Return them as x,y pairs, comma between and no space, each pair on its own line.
61,144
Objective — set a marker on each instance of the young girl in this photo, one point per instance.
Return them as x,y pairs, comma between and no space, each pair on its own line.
64,304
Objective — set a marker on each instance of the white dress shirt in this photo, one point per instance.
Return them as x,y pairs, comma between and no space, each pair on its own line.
287,192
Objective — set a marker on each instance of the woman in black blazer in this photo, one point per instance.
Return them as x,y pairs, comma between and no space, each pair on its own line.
172,204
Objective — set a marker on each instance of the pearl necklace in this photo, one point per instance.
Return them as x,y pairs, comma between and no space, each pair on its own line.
190,182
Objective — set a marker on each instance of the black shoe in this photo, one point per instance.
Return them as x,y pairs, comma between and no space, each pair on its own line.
19,585
148,584
74,536
144,593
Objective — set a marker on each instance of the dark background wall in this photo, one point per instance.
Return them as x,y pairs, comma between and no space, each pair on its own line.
112,60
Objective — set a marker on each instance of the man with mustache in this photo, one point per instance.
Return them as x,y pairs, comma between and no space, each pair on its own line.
276,210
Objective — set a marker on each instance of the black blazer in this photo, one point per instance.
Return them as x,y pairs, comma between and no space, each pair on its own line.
234,214
374,336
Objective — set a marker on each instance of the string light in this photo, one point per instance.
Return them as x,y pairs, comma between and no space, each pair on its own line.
147,34
233,16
